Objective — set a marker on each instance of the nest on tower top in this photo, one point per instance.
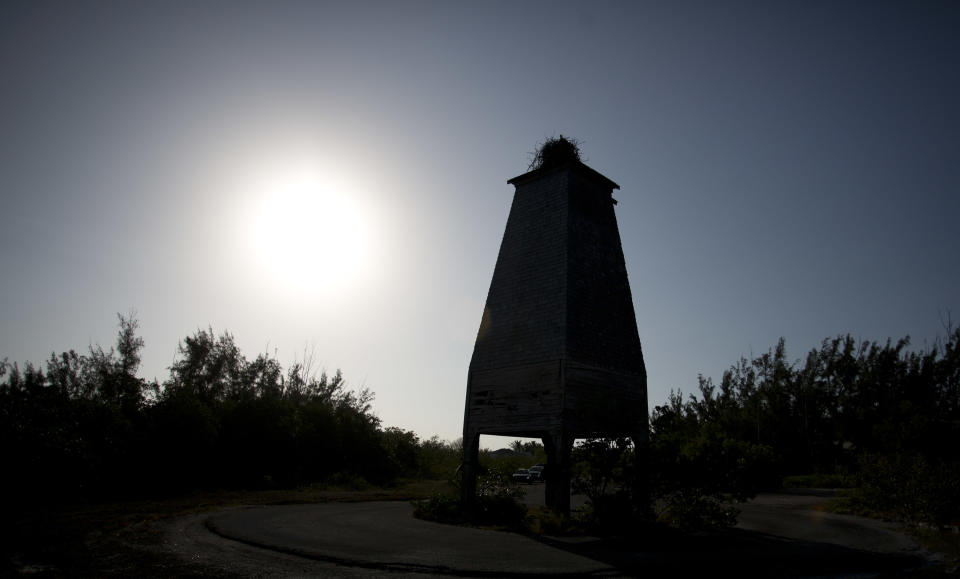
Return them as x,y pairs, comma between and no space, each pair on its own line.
554,152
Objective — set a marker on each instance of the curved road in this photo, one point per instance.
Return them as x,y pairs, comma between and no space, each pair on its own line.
801,515
786,535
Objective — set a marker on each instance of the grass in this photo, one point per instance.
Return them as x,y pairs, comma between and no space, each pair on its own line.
847,502
817,481
115,538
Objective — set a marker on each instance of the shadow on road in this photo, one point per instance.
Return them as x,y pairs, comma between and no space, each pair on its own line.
783,534
734,552
383,538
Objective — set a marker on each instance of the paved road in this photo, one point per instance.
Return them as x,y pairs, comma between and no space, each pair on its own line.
785,535
372,538
800,515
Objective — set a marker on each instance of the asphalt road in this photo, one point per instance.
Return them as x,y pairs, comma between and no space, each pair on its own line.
800,515
363,539
780,535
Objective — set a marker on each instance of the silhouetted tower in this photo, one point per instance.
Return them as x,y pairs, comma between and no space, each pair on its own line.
557,356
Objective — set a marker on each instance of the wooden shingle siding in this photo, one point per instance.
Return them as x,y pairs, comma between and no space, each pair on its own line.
600,402
524,318
516,399
601,327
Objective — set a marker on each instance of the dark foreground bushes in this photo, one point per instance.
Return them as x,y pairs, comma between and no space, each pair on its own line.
87,428
882,417
911,487
498,503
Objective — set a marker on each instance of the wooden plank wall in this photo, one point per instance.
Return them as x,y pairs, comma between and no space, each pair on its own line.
523,400
601,402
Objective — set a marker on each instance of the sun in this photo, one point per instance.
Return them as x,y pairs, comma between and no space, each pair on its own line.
312,237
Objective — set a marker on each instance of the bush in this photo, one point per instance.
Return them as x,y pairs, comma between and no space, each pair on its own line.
604,470
818,481
695,474
910,487
497,504
438,459
88,428
498,500
439,508
500,511
611,514
546,521
345,481
692,510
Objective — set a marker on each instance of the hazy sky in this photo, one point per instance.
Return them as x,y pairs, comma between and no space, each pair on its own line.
332,176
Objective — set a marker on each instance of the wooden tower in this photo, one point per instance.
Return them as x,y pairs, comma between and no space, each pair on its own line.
557,355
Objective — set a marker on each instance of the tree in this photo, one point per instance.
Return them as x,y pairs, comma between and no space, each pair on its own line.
211,368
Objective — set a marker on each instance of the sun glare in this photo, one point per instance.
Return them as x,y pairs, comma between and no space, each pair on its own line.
312,237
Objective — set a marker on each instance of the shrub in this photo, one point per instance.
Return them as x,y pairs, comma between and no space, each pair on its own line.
347,481
439,508
693,510
497,504
498,500
818,481
546,521
911,487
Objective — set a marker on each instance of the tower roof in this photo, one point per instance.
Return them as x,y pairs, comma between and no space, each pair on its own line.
579,166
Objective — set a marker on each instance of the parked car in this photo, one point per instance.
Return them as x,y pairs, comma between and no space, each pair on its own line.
536,473
522,476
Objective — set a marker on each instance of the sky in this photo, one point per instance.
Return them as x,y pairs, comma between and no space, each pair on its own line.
329,179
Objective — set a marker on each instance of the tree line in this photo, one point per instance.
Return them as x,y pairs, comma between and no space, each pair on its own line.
878,416
86,426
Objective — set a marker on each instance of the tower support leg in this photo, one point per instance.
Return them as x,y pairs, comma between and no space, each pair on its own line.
558,446
641,475
469,469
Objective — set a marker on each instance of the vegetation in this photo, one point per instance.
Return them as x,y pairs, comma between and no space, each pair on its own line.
88,428
880,418
119,539
877,416
554,152
498,503
499,499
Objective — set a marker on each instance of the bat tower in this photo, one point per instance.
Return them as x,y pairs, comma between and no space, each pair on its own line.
557,355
